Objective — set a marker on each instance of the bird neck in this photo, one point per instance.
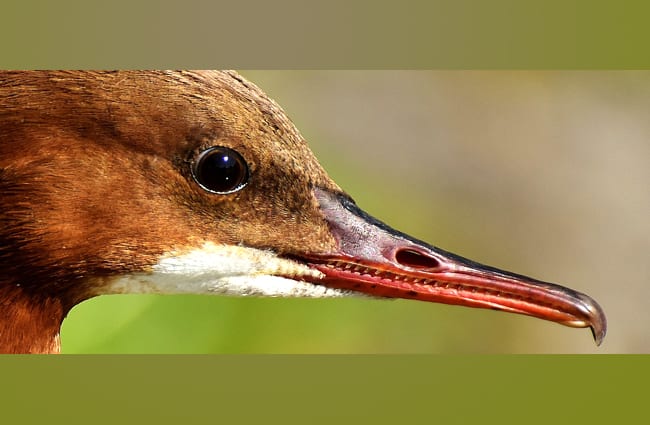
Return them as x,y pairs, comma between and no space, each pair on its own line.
29,324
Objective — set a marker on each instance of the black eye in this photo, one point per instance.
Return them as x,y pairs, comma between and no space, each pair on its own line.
220,170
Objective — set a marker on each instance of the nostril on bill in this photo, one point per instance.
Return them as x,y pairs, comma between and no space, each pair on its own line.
415,260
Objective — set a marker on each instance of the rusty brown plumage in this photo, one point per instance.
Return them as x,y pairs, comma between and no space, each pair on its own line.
79,149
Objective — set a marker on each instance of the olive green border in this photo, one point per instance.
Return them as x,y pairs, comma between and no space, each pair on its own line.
406,34
323,389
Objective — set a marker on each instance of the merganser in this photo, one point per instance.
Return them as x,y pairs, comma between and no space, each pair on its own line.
197,182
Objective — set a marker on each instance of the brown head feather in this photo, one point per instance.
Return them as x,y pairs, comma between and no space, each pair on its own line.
95,177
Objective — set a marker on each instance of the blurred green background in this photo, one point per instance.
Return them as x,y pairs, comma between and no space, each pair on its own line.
542,173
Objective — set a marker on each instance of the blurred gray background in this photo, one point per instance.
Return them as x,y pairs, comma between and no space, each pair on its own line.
542,173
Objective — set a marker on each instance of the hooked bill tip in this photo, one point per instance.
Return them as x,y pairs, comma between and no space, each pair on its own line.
596,318
599,335
598,327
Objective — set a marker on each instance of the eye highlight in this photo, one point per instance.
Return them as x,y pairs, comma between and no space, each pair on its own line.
220,170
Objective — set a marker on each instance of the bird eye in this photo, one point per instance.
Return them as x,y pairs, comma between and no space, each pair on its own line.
220,170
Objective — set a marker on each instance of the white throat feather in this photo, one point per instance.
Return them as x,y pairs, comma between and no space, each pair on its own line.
225,270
